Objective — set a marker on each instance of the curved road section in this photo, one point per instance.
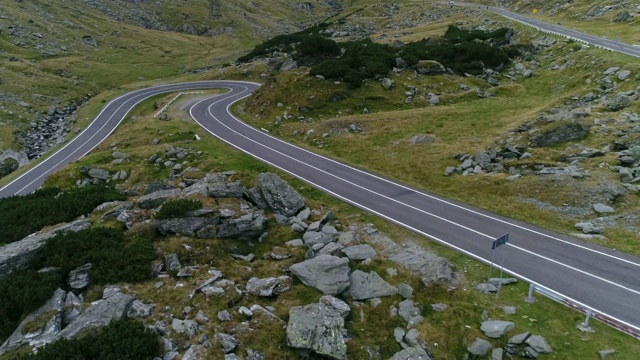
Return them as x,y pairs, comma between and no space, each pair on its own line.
584,276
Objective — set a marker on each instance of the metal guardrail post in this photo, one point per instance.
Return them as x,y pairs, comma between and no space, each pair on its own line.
530,298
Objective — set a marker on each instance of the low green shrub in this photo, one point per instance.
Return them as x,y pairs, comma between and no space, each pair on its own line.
8,166
114,259
120,340
177,208
24,215
22,292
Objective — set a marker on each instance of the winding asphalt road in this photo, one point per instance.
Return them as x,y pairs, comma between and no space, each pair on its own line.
579,274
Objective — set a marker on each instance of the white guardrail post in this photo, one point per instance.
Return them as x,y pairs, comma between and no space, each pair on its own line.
589,312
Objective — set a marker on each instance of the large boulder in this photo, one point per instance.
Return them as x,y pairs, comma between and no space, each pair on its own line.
429,67
319,328
17,254
248,226
184,226
157,198
538,343
327,273
496,328
616,102
561,133
79,278
409,312
366,286
411,353
272,286
48,315
99,314
280,196
430,267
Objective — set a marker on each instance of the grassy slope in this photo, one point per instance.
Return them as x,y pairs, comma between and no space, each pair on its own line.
389,122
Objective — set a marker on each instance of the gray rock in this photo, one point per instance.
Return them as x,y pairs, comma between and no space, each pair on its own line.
509,310
99,174
79,278
327,273
519,338
53,310
434,99
561,133
502,281
420,139
268,287
254,355
429,67
311,238
387,83
227,342
319,328
331,248
405,290
340,306
604,354
602,208
486,288
366,286
188,327
347,238
279,195
184,226
412,337
497,353
589,228
539,344
157,198
480,347
359,252
399,333
171,262
616,102
249,226
496,328
431,267
195,352
623,75
411,353
99,314
17,254
439,307
139,309
289,64
409,311
295,243
224,315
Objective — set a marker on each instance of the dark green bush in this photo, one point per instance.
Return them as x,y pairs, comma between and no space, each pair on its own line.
24,215
8,166
177,208
22,292
120,340
114,259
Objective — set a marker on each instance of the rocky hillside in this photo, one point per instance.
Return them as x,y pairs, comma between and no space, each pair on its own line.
57,58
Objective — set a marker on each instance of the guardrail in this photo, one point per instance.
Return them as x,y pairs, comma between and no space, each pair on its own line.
588,311
159,112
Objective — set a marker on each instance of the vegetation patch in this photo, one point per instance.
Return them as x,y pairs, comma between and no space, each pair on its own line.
119,340
463,51
24,215
8,166
177,208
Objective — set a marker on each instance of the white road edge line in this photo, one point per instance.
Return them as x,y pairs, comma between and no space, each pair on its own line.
470,254
447,202
393,200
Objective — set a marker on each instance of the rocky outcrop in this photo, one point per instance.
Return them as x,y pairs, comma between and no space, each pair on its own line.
431,267
366,286
329,274
561,133
157,198
49,316
268,287
99,314
17,254
279,195
319,328
79,278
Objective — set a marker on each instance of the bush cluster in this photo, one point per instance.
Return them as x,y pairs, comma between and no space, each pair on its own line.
463,51
8,166
177,208
114,260
24,215
120,340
